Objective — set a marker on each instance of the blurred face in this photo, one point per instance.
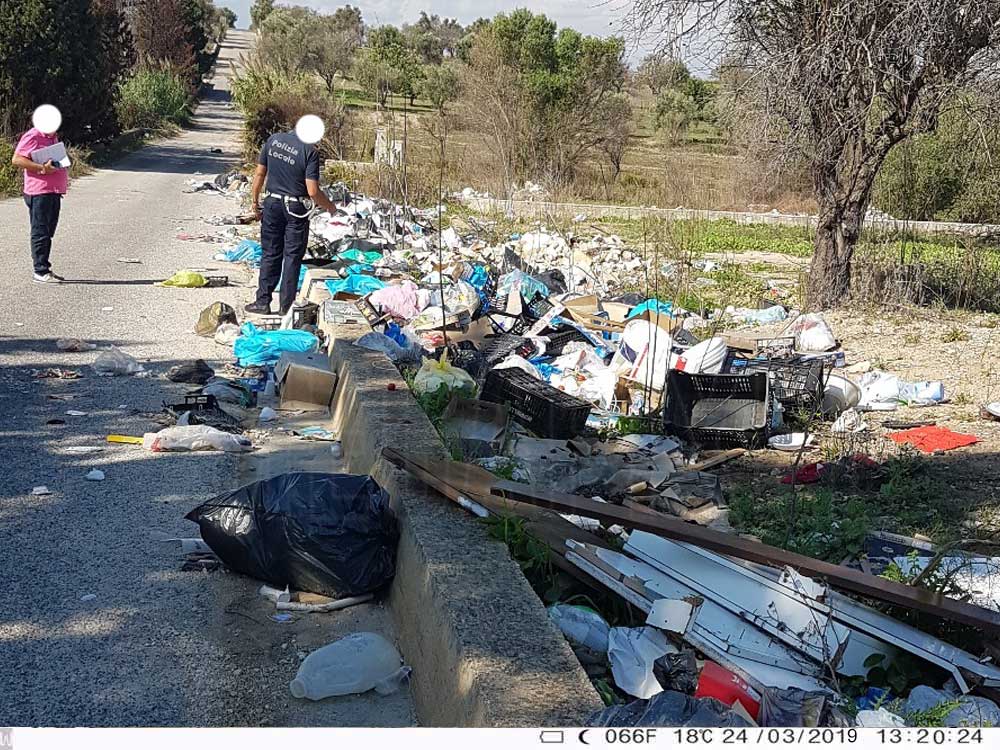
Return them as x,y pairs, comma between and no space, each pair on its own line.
310,129
47,119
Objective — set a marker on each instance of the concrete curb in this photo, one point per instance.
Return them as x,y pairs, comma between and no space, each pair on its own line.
482,648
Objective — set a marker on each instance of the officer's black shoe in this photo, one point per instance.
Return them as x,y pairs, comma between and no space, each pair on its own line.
255,308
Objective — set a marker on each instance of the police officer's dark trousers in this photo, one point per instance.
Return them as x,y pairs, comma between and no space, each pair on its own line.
283,238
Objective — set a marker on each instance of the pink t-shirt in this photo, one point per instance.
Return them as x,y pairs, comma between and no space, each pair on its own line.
41,184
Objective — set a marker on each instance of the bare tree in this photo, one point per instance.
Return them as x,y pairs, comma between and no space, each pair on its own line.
848,80
615,140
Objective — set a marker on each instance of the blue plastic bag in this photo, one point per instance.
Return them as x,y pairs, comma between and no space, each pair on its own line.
247,251
361,256
354,284
255,348
661,308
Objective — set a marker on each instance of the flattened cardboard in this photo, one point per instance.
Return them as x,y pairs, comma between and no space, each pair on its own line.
305,381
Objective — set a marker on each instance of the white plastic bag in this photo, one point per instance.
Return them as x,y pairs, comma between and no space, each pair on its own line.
632,652
706,357
880,718
972,710
379,342
226,334
461,296
434,373
813,334
114,361
195,438
581,626
354,664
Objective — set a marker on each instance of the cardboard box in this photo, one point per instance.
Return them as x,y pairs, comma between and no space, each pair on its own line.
305,381
617,311
336,312
586,311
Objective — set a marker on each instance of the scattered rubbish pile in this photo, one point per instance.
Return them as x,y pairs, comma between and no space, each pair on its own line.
735,633
547,373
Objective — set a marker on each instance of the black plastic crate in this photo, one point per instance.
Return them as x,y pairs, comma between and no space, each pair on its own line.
500,346
538,307
504,322
719,411
305,315
213,282
560,338
204,409
469,359
793,382
546,411
514,325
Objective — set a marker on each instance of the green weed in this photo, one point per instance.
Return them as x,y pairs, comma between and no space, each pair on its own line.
812,522
932,717
530,554
912,496
954,335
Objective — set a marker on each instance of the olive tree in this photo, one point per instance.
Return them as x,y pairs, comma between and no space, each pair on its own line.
848,80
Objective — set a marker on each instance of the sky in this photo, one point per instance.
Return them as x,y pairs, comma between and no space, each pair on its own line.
592,17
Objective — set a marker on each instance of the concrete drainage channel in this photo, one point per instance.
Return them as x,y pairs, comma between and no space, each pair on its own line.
482,648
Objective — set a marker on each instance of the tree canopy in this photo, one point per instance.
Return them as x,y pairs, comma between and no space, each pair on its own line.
559,90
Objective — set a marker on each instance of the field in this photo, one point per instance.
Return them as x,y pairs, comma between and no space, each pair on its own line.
699,172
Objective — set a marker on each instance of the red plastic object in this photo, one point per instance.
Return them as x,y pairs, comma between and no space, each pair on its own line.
932,439
718,682
808,474
391,386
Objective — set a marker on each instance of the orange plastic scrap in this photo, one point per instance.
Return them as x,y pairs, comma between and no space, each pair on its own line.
932,439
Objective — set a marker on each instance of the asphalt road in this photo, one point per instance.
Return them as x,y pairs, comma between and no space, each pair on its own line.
98,625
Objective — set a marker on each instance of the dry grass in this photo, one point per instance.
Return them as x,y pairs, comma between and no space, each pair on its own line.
691,175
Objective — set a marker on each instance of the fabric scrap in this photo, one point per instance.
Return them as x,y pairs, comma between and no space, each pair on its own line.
931,439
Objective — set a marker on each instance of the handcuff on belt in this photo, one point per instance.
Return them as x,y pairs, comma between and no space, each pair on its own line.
308,203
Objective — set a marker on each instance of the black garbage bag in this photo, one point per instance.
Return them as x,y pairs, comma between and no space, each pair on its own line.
677,672
670,709
792,707
330,534
554,280
197,372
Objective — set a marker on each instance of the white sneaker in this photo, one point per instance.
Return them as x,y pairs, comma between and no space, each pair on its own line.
47,278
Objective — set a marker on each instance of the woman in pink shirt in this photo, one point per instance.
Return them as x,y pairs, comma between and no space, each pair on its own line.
44,187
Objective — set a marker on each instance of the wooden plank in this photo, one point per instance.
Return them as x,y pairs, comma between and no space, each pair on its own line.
461,478
709,463
544,525
744,549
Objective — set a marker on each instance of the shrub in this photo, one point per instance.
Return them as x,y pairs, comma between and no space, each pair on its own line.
10,177
272,101
152,98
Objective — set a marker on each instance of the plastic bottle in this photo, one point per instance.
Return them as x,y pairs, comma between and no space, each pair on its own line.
354,664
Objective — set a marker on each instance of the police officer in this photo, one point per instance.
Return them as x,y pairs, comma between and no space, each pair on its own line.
289,162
